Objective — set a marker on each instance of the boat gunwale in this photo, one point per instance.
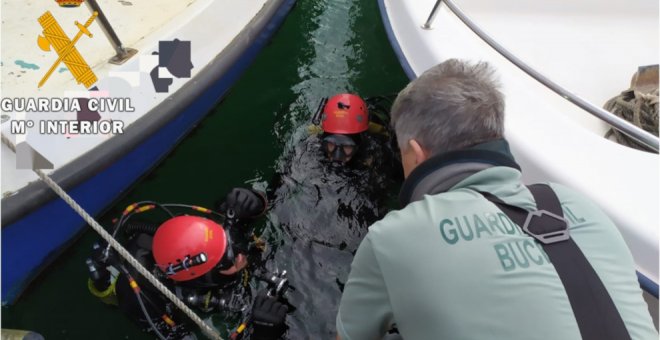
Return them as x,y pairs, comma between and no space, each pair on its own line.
638,134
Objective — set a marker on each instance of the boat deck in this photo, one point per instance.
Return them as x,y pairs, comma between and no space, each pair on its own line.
24,63
577,44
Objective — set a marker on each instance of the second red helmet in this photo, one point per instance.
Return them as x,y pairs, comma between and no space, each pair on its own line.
346,114
187,247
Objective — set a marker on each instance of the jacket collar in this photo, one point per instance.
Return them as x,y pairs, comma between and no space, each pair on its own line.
441,172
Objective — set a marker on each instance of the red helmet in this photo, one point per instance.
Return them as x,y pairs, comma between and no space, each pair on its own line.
187,247
346,114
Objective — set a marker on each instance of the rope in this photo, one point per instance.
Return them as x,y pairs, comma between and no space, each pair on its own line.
210,332
640,108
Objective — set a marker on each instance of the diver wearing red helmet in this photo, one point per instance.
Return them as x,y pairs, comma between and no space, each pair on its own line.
344,121
344,118
198,258
321,208
224,248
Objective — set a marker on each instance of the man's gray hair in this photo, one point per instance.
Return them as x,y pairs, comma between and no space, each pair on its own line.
451,106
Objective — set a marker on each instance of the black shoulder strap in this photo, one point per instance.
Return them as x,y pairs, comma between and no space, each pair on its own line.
594,310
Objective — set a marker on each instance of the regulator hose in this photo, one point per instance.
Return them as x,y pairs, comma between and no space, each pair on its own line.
137,226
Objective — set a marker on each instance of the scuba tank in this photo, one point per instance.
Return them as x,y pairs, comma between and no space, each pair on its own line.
116,283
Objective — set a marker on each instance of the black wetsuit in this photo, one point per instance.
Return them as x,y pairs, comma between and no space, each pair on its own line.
202,294
320,211
156,305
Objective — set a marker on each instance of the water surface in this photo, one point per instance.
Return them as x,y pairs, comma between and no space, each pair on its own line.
257,137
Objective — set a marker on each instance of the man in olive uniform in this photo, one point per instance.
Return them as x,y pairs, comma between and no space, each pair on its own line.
452,264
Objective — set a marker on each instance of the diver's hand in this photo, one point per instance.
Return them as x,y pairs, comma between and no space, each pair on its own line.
239,263
245,203
268,316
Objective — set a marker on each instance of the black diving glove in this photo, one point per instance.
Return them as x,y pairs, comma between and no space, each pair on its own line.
268,316
245,203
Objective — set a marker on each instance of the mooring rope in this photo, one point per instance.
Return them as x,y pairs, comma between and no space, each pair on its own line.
210,332
638,105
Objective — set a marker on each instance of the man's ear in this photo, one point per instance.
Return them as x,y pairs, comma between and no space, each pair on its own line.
420,154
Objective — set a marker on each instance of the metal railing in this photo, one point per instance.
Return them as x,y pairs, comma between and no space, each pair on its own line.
123,53
645,138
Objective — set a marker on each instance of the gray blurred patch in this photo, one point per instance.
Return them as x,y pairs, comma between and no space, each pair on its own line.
29,158
161,85
85,113
117,87
175,56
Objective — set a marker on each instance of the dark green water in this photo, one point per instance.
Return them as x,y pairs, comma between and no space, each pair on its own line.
252,137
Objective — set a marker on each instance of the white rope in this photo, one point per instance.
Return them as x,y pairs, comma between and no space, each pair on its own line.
210,332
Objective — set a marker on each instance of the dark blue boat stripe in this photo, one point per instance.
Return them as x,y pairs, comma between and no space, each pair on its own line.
647,284
407,69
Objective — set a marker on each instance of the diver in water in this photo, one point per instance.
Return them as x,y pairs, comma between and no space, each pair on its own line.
201,260
345,123
344,119
330,185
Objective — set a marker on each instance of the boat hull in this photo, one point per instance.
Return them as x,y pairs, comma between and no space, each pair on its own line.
38,226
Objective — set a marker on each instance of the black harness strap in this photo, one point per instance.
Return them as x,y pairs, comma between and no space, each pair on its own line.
594,310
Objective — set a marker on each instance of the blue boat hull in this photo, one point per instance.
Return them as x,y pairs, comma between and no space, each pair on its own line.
34,240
